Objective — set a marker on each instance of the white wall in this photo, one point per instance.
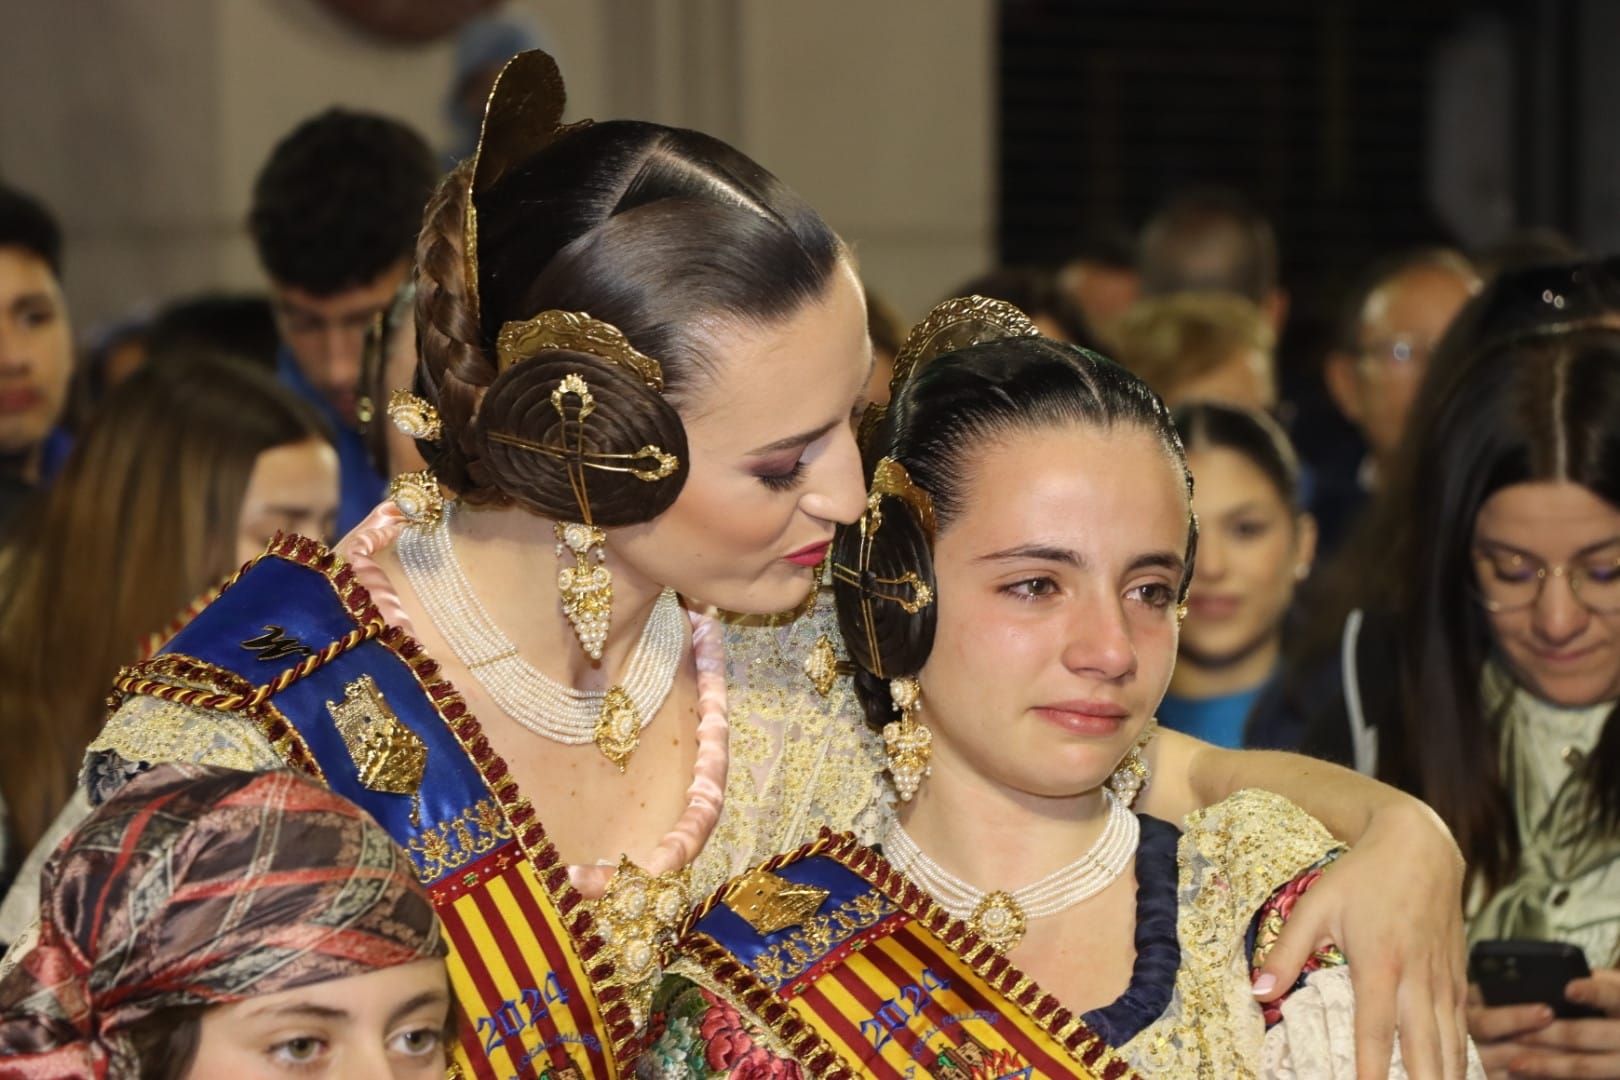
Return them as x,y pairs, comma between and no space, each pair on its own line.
144,122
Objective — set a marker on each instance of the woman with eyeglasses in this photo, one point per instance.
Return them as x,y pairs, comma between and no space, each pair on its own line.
1487,678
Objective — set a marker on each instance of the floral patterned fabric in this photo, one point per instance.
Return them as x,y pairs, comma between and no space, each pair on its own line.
695,1034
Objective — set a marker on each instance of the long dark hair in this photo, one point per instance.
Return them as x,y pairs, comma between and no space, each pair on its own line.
939,420
1545,408
661,232
142,520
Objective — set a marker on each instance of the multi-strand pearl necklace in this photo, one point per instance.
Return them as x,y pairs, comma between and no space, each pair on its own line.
526,694
1000,917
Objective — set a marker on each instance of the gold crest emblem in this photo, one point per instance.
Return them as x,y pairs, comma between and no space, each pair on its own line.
388,756
770,903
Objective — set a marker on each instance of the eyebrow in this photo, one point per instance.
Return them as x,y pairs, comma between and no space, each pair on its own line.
39,296
422,1000
1168,560
312,1011
1587,550
792,441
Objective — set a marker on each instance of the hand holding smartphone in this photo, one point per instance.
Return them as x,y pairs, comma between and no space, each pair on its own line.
1526,972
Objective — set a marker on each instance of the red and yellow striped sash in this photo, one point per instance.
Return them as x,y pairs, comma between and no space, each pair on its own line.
882,983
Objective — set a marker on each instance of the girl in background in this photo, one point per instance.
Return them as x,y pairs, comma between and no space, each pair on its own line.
1255,544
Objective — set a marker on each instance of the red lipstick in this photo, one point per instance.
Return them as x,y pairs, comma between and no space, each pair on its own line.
810,556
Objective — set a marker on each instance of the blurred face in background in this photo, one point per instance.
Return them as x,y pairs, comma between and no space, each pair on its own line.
1547,569
1244,380
1103,293
1252,551
327,334
36,350
293,488
1401,322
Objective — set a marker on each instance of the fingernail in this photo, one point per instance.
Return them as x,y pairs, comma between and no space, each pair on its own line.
1544,1012
1576,992
1263,985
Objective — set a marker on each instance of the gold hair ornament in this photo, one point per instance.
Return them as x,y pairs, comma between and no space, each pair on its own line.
951,325
909,590
575,331
522,117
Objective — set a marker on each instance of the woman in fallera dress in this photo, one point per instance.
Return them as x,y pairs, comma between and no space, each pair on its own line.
641,357
1012,598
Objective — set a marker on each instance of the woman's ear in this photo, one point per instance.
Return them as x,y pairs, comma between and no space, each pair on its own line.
1305,537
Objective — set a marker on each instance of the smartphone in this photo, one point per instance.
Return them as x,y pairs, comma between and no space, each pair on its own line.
1525,972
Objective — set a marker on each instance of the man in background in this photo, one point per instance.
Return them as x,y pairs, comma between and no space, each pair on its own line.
1390,330
1212,240
336,210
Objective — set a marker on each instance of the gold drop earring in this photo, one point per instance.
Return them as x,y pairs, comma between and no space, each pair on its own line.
907,742
586,587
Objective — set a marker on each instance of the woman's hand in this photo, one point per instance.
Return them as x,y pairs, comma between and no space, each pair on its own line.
1393,904
1495,1027
1557,1048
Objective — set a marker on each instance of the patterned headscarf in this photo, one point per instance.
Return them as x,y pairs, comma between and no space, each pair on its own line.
198,886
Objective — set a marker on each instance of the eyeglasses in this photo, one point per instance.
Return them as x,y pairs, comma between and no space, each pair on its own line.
1403,353
1513,581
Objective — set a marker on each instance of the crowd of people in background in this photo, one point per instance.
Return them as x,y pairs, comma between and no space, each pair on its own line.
1445,616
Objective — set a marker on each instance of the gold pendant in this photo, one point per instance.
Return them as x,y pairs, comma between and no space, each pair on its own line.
822,665
999,921
618,727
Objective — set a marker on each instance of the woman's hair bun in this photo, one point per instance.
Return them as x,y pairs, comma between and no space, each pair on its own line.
528,446
878,630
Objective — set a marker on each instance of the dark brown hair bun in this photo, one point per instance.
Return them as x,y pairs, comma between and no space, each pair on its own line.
527,448
880,634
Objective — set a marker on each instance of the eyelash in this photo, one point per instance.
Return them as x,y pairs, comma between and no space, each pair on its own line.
1157,596
1163,595
311,1065
784,481
1016,589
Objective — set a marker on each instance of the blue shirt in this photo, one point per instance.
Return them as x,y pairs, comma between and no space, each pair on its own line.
361,485
1217,720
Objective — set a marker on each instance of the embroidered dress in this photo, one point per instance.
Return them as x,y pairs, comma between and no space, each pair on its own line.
541,987
828,963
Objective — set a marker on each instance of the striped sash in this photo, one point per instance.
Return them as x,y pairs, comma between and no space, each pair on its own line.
878,981
294,643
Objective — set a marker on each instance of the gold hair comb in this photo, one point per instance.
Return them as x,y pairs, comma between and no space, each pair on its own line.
953,324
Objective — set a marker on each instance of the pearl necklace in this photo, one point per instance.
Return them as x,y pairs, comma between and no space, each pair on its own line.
1000,917
612,718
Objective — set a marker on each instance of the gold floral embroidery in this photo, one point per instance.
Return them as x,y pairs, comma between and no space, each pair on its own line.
146,729
798,760
790,957
452,844
1231,858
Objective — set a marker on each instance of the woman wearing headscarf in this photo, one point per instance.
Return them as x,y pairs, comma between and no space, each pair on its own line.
207,921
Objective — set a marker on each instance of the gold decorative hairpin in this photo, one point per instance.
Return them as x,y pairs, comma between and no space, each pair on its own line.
889,480
951,325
